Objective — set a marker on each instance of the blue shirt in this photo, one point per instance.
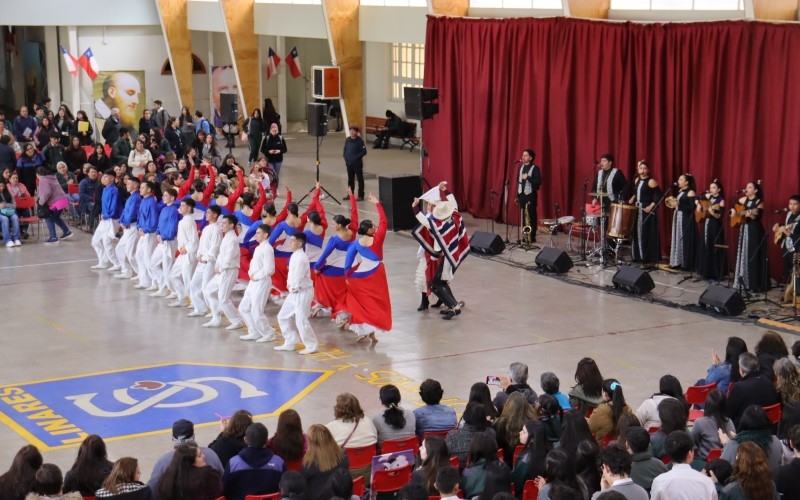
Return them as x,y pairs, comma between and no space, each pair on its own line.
721,374
148,215
110,202
130,213
563,400
168,222
203,125
435,418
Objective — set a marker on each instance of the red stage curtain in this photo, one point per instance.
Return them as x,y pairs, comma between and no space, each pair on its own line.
716,99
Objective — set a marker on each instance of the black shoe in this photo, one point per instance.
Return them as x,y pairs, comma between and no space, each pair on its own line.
449,314
385,147
25,235
423,306
377,146
438,304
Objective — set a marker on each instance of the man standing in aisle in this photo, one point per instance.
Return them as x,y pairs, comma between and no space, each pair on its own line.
354,152
147,224
207,251
126,247
298,301
164,256
181,275
255,295
104,234
219,289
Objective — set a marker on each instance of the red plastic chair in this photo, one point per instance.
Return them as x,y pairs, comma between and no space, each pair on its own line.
27,202
454,461
696,395
666,460
653,430
361,457
713,454
530,491
517,453
441,434
607,440
773,411
395,445
93,498
358,486
501,455
294,465
387,481
271,496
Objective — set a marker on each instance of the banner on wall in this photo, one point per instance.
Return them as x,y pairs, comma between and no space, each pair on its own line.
223,81
123,90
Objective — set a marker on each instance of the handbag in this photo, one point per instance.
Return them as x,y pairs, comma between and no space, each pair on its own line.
8,212
43,211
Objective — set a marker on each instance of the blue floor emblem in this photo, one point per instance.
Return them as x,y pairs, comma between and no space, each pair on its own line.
133,402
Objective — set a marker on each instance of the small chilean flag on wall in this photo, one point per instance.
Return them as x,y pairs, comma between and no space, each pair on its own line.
89,63
293,61
69,61
272,63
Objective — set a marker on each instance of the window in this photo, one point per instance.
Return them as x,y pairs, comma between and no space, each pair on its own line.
408,66
396,3
517,4
677,4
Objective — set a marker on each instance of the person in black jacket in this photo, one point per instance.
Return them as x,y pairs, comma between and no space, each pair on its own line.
274,148
753,389
172,135
255,127
231,440
111,127
528,181
90,469
393,126
256,470
354,152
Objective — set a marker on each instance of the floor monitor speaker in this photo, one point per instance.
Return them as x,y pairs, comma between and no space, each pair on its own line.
722,300
486,243
554,260
633,280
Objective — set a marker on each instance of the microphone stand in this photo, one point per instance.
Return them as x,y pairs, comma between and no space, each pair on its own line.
764,270
583,233
492,194
505,194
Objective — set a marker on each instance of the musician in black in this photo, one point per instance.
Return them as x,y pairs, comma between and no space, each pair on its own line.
645,231
529,179
790,235
609,180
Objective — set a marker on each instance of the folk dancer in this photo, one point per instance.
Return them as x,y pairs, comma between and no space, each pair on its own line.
147,224
164,255
126,247
298,301
207,252
105,233
262,265
180,277
218,291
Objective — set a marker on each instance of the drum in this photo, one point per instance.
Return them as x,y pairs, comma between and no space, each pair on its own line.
592,220
567,219
621,220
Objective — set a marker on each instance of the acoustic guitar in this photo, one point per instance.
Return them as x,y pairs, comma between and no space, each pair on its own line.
738,217
703,213
779,234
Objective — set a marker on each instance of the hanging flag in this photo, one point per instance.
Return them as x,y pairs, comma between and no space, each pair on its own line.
272,63
89,63
293,61
69,60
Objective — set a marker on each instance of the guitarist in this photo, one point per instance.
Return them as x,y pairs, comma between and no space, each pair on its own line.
787,235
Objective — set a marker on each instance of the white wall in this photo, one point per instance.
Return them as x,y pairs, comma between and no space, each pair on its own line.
313,52
392,24
77,13
376,80
277,19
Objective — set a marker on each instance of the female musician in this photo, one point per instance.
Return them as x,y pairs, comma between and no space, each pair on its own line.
751,255
712,262
682,252
646,193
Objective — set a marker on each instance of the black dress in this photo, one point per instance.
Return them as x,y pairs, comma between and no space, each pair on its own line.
712,262
751,254
645,232
683,251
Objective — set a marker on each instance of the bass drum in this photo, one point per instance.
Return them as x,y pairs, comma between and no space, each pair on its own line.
621,220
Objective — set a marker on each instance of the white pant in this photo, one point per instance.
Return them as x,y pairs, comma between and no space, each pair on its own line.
126,250
180,277
218,295
297,304
103,241
252,307
203,274
161,263
144,253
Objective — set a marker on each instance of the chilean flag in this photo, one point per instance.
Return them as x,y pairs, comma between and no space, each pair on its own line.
69,61
272,63
293,61
89,63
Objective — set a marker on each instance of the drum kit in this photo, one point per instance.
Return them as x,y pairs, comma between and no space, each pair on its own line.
617,225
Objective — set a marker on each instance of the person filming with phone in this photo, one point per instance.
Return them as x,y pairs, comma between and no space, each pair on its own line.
516,381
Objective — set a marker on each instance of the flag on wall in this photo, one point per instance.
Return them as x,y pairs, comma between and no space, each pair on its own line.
293,61
89,63
272,63
69,61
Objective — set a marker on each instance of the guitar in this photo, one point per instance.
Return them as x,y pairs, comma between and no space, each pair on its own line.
738,215
704,212
780,235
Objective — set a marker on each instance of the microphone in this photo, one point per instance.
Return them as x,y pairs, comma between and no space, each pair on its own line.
781,211
518,161
740,191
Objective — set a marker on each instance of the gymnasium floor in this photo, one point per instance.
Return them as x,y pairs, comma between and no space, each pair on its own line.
62,321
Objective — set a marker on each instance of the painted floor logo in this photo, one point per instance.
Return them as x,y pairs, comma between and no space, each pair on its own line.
133,402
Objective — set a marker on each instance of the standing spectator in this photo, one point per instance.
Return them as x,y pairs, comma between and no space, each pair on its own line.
8,158
160,115
753,389
38,111
202,124
54,198
186,125
24,127
53,153
354,152
26,166
274,148
254,127
111,127
43,133
189,477
323,458
270,115
682,482
9,220
231,440
256,470
433,417
75,155
394,422
20,478
63,122
90,468
121,149
146,123
392,126
616,469
124,482
82,127
173,137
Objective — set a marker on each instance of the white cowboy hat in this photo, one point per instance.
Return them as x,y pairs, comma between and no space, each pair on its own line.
444,209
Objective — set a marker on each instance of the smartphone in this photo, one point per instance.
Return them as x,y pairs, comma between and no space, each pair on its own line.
493,380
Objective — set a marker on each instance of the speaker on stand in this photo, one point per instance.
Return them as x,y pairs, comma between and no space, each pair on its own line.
318,127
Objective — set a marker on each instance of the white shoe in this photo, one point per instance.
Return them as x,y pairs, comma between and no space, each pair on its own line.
17,243
240,285
134,277
250,336
196,314
267,338
123,276
283,347
309,350
151,288
214,323
159,293
114,269
100,266
9,244
139,286
175,303
235,326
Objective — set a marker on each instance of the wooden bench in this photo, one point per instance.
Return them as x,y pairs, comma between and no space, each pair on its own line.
375,123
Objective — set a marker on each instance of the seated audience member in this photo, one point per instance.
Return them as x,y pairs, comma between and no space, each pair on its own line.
753,389
433,416
586,467
576,429
551,385
18,480
342,486
770,348
187,476
434,455
230,441
754,426
721,469
787,381
604,419
673,418
124,482
588,390
723,372
682,482
256,470
706,429
552,416
89,192
293,486
516,381
413,491
668,387
350,429
323,458
626,421
787,477
90,469
48,485
447,480
644,467
182,433
475,423
482,453
796,352
479,393
394,422
289,442
531,461
516,413
497,482
560,472
751,476
616,472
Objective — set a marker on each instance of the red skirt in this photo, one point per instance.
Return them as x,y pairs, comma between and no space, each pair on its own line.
244,264
331,292
367,300
280,275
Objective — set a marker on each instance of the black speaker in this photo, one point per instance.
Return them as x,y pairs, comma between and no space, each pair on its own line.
229,104
722,300
633,280
396,193
486,243
417,105
317,120
554,260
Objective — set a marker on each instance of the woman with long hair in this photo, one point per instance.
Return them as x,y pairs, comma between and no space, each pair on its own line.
752,478
770,348
712,261
124,481
52,196
552,416
576,429
588,390
434,455
27,163
626,421
683,250
17,481
516,412
587,465
394,422
324,456
605,417
787,381
270,114
43,133
560,469
723,372
458,440
174,138
293,486
479,393
90,469
230,440
99,158
63,122
84,136
74,155
482,454
289,442
673,417
531,460
9,220
139,158
754,426
751,253
668,387
210,148
186,126
254,127
274,147
187,476
706,429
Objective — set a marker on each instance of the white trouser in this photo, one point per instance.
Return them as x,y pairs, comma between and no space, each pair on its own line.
252,307
103,241
218,295
180,277
161,263
203,274
144,252
297,304
126,249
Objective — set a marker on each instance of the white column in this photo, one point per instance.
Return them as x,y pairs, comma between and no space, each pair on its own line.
72,47
52,61
282,106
